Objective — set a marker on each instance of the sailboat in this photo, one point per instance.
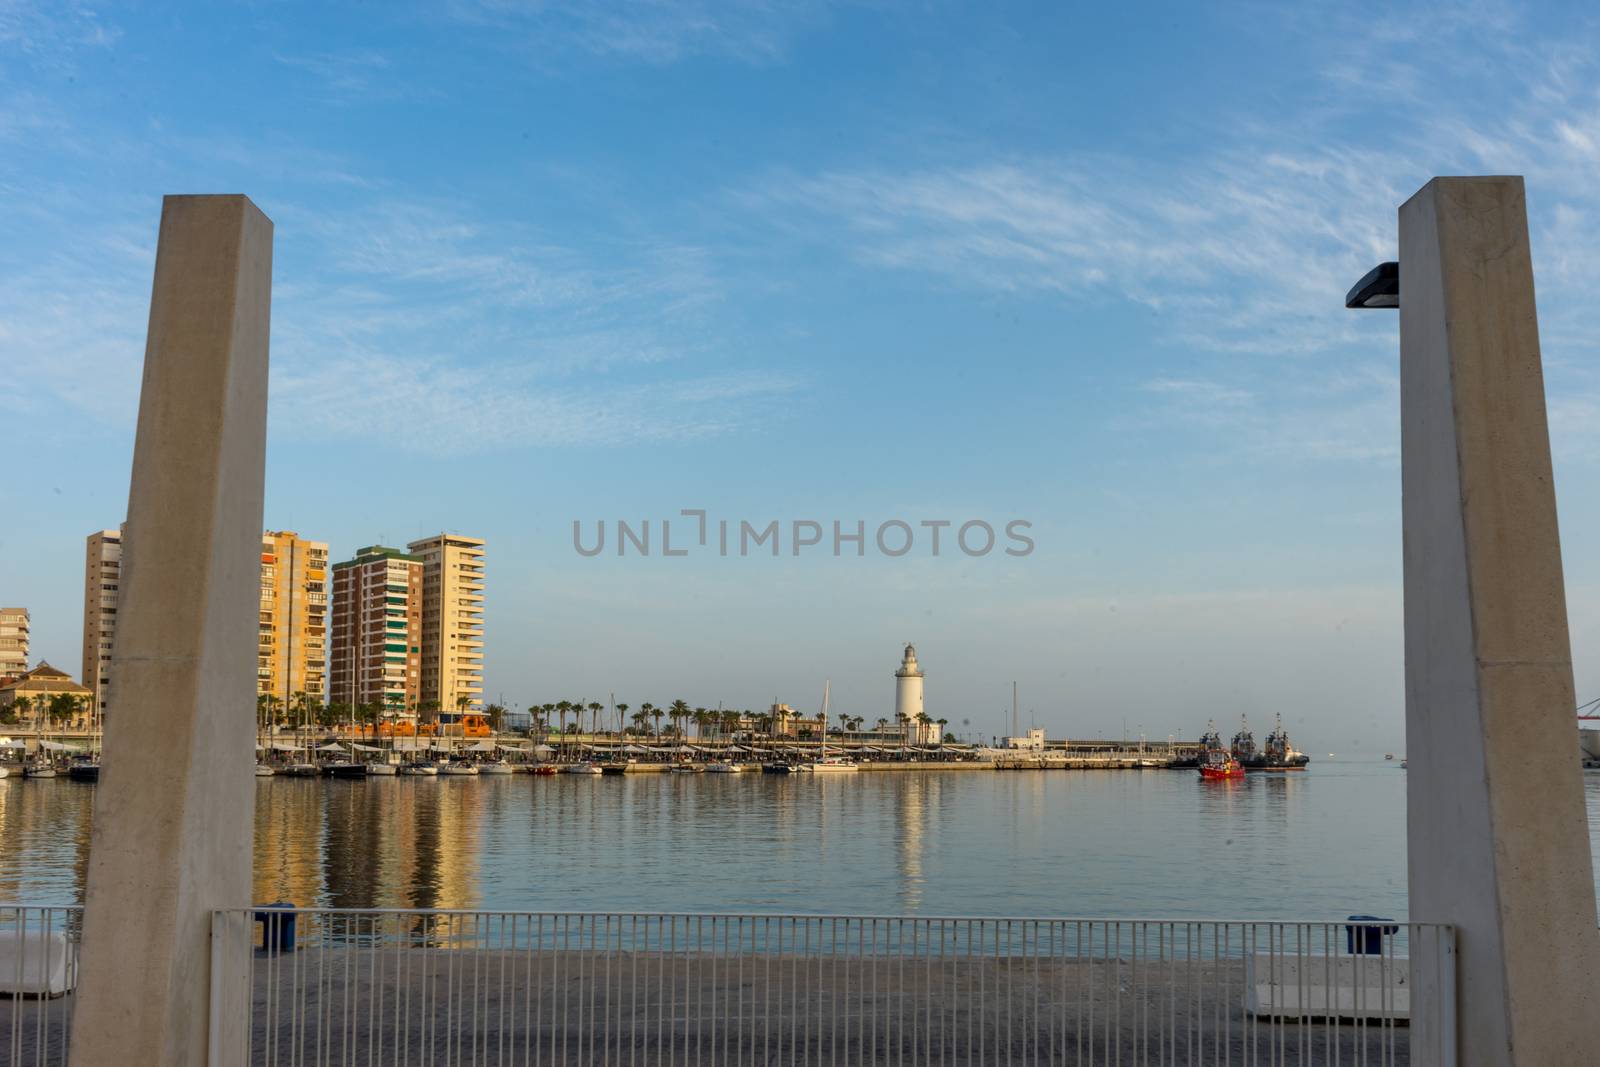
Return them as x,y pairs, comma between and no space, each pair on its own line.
827,764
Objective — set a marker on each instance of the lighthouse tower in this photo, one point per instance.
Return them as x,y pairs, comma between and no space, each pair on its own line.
908,692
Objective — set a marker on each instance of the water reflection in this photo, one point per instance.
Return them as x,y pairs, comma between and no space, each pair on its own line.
1330,842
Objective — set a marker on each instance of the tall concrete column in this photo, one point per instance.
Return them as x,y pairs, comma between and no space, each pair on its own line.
173,814
1497,833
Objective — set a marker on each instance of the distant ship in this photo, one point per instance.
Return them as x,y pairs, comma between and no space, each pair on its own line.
1244,743
1276,755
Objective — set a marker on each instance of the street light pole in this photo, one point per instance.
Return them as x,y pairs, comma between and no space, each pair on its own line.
1497,833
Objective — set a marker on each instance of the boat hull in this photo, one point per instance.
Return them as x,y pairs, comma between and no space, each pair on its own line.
84,772
381,770
495,768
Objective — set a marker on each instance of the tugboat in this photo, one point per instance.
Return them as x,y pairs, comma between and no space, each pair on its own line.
1218,764
1277,755
1244,743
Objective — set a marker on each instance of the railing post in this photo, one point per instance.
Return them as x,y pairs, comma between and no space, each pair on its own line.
228,1007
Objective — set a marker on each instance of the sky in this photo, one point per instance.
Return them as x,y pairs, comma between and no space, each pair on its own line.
1075,266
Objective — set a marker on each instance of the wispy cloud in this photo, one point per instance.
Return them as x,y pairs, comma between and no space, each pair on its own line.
49,33
356,74
651,31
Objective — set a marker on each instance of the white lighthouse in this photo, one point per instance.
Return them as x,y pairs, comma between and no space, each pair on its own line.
908,694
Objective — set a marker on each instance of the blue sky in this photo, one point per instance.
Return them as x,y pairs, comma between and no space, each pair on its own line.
831,261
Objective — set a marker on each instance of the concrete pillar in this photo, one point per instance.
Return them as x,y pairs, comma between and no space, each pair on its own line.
1497,833
173,814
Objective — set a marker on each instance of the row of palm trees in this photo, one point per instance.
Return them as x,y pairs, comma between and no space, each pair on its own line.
57,710
646,720
304,709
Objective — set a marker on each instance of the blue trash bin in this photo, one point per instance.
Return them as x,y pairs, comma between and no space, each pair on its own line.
1367,938
277,926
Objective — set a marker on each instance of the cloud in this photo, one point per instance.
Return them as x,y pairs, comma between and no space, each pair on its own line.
650,31
347,76
49,34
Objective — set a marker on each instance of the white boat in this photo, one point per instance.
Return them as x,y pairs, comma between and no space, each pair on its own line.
458,770
826,764
381,770
5,772
583,768
724,768
686,768
301,770
39,769
263,771
420,770
495,766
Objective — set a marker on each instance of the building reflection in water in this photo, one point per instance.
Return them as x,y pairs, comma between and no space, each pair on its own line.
396,843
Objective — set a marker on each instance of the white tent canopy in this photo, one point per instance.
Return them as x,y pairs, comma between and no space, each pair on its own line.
481,746
286,746
56,746
331,747
542,749
365,748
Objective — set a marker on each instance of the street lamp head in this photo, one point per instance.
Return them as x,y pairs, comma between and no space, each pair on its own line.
1379,289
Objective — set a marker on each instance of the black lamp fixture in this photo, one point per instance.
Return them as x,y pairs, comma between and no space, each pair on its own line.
1379,289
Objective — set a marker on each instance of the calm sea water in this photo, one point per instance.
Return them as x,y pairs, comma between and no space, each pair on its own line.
1324,844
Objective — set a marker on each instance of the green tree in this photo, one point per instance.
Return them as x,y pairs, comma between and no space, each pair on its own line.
428,712
496,714
622,715
62,707
656,714
595,708
679,711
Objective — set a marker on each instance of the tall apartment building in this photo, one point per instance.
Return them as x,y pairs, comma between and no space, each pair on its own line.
377,629
452,620
13,642
294,617
102,582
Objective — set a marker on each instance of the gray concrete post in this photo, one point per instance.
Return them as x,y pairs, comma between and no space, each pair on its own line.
1497,834
173,813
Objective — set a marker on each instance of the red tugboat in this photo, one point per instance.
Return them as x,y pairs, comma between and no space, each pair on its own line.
1216,761
1220,764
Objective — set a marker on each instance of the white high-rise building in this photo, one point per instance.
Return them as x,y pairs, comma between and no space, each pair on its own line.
102,582
13,642
452,621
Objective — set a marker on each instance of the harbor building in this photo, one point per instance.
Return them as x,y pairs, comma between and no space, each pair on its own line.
13,642
377,629
452,621
293,650
42,687
102,583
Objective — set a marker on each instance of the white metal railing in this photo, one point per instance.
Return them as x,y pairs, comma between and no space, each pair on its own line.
38,973
331,986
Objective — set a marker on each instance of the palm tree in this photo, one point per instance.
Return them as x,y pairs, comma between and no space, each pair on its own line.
942,724
679,712
639,718
562,707
656,713
622,717
595,708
